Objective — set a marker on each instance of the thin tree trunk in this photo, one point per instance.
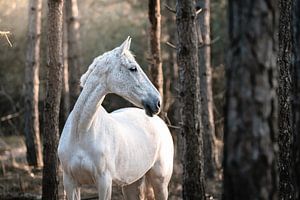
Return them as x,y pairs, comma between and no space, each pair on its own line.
250,170
171,64
171,102
167,88
296,92
32,130
54,86
187,58
155,68
286,134
74,51
65,98
206,97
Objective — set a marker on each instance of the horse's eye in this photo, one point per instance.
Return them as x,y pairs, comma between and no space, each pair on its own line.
133,69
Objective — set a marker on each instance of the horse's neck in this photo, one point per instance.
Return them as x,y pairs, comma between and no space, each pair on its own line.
87,105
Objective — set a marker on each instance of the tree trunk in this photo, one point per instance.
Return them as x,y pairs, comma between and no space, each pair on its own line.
206,97
54,85
65,98
296,92
171,102
250,170
74,51
155,68
32,130
285,92
171,68
187,58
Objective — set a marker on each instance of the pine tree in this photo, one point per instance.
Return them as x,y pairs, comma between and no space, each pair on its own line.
187,59
74,50
52,102
250,170
206,96
155,68
32,129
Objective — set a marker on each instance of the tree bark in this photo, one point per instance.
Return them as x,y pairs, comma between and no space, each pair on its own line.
286,134
74,50
171,69
250,170
52,102
65,97
296,91
32,130
171,102
206,96
187,58
155,68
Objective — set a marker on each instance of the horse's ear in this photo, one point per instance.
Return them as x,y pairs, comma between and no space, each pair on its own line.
125,46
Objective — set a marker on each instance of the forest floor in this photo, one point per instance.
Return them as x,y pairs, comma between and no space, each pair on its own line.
18,181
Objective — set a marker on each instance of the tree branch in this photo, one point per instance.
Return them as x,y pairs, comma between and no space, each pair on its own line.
199,11
170,9
171,45
10,116
5,34
211,43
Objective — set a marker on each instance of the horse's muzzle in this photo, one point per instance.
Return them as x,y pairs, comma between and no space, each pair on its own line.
151,107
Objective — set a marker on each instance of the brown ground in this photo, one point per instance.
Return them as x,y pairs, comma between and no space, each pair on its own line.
18,181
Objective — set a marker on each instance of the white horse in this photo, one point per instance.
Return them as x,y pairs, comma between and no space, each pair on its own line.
127,146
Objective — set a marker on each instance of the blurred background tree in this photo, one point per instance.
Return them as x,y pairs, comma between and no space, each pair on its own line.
31,95
155,62
73,49
206,95
250,135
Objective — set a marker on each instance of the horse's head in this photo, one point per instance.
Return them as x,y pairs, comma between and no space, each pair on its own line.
123,76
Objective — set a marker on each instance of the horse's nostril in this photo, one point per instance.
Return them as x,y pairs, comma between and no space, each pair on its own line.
158,104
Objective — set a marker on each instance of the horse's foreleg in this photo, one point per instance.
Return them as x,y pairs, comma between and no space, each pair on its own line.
72,191
104,186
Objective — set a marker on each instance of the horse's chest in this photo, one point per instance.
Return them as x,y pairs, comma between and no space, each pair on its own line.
86,164
82,169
